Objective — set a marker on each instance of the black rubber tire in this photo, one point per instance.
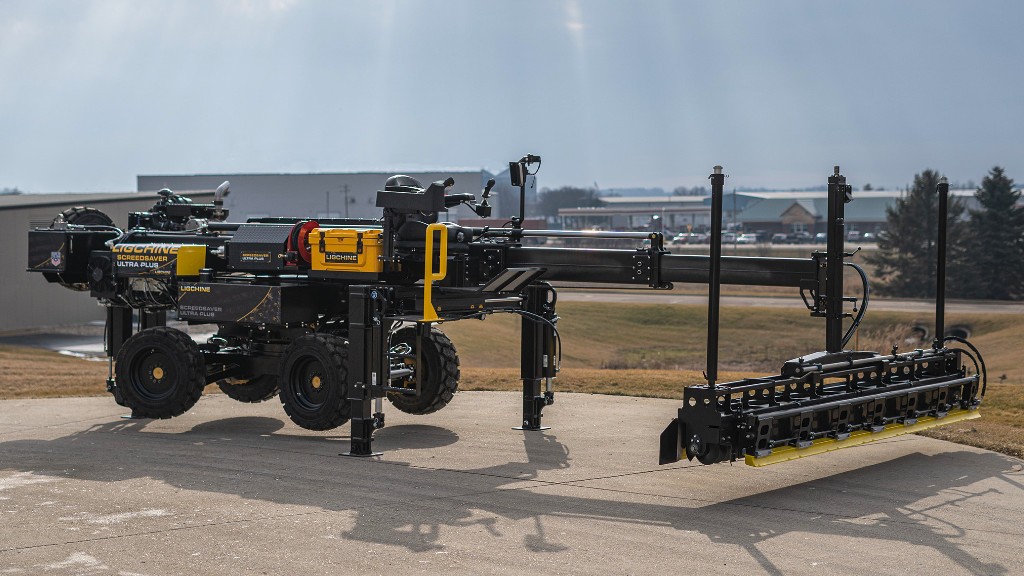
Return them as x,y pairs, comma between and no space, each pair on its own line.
160,373
712,455
252,390
85,215
314,381
440,377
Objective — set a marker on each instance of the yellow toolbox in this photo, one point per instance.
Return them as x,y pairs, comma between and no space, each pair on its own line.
346,249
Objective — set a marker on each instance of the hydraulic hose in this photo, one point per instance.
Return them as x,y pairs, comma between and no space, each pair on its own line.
979,362
863,304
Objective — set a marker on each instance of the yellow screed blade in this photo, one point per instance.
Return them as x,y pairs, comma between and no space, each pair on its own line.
821,445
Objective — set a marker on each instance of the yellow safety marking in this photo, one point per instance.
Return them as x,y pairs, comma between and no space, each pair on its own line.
859,437
429,314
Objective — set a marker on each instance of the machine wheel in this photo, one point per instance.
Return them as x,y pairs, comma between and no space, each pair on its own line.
711,455
160,372
252,390
314,382
84,215
440,372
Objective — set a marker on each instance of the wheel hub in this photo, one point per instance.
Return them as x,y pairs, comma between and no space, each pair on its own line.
153,376
310,384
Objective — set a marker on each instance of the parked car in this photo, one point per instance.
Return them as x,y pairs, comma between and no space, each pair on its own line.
853,236
800,238
747,239
780,238
690,238
820,238
869,237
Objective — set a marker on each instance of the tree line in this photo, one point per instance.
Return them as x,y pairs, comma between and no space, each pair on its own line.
985,246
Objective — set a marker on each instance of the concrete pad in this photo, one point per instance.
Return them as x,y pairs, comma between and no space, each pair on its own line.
232,488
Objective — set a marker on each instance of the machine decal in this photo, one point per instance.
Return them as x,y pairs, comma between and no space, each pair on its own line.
264,309
158,259
341,257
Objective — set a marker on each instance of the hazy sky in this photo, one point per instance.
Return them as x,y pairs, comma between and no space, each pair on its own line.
617,93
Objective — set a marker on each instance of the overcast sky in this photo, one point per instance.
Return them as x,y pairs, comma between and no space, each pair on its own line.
614,93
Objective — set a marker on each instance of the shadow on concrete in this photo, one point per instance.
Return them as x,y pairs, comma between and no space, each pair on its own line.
218,456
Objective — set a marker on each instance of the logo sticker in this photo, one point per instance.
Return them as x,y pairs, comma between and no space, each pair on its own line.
55,258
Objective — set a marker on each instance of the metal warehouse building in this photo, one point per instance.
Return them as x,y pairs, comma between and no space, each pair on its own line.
29,301
769,211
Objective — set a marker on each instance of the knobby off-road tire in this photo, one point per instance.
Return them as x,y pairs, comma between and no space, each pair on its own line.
440,372
160,373
85,215
314,381
251,390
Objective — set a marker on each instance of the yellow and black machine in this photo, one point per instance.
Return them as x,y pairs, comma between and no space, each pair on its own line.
334,315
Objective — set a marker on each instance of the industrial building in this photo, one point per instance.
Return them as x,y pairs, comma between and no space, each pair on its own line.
29,301
635,212
771,212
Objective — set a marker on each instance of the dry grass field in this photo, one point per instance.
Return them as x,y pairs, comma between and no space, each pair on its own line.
642,350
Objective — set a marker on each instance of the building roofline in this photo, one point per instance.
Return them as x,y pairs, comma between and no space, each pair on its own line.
17,201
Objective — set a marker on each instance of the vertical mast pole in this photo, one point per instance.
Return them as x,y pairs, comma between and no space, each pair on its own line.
838,195
940,272
714,273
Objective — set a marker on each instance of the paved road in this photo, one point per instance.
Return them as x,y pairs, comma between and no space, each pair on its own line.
235,489
892,305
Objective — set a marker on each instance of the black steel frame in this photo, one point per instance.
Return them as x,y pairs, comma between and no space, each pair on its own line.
824,395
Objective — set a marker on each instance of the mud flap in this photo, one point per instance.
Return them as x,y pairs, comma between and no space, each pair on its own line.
671,443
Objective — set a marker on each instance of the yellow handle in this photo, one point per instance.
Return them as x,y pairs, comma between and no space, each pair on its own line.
429,314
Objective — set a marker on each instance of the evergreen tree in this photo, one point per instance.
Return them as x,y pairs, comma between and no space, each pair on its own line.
995,248
905,261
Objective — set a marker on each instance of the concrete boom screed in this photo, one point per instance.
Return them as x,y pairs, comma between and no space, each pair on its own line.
334,315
